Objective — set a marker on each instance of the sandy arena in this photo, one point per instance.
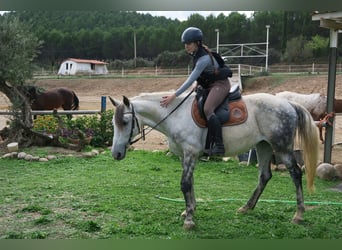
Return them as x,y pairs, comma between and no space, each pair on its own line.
90,91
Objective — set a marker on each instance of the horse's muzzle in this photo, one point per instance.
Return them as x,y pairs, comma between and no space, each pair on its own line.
118,154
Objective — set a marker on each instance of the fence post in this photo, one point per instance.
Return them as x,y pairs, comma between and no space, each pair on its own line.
313,68
103,104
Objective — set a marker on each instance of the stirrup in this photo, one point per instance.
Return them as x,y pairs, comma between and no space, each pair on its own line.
218,150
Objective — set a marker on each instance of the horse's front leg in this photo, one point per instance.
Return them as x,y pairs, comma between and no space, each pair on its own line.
187,188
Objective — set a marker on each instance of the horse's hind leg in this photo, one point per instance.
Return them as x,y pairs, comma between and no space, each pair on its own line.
296,174
264,153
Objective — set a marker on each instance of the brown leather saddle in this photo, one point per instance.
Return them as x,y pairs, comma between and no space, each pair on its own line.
237,111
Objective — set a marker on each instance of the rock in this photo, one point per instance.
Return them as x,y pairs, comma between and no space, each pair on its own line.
95,152
87,154
8,155
14,154
326,171
51,157
21,155
43,159
12,147
35,158
338,168
28,157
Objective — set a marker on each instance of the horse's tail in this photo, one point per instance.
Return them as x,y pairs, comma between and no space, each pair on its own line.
309,142
76,102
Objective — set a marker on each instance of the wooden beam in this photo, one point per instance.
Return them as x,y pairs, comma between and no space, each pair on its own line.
331,24
327,15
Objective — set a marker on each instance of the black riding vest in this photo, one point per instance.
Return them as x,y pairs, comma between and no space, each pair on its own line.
205,79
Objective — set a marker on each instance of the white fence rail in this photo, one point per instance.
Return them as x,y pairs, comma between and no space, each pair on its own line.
242,69
55,112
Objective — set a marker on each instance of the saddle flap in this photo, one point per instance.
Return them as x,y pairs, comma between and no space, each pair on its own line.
238,114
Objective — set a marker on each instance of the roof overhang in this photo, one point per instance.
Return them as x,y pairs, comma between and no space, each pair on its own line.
329,20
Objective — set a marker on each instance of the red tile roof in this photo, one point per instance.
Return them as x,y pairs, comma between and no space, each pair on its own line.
86,61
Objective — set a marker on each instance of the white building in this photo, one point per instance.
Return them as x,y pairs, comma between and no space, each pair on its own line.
73,66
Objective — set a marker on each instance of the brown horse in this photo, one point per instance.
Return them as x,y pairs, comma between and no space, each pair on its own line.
53,99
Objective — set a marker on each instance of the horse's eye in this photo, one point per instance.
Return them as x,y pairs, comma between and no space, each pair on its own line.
126,120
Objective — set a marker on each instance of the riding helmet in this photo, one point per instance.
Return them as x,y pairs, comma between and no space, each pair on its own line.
192,34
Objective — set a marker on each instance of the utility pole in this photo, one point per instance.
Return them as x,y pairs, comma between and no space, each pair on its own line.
217,40
267,38
135,50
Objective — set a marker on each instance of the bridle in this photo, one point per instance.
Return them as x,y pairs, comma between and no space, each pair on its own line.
135,120
142,131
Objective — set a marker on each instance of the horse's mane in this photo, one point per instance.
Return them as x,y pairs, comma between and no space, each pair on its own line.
157,94
154,95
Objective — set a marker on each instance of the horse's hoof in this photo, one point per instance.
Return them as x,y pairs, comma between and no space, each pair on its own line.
188,225
242,210
297,220
183,215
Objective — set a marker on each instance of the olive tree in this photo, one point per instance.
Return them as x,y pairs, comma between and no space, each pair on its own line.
18,48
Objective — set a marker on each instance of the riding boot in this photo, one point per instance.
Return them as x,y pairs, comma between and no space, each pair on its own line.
215,133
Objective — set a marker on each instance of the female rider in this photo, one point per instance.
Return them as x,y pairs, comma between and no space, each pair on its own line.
205,72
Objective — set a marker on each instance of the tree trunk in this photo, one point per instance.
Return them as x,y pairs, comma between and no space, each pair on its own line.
22,123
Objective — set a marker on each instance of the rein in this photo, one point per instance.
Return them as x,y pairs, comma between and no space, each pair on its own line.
142,131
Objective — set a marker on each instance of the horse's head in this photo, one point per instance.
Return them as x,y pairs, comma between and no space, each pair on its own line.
125,126
31,93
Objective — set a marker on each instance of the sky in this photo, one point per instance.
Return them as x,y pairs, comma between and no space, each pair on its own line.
183,15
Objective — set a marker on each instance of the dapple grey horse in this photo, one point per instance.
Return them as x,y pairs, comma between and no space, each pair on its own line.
271,128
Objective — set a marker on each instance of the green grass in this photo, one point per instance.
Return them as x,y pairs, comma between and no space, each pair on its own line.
96,198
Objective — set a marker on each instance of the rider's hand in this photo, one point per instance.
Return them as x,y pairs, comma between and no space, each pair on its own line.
166,100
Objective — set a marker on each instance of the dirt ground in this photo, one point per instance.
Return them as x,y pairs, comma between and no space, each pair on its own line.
90,91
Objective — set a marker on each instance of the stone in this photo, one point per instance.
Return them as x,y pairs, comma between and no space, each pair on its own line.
28,157
338,168
21,155
51,157
326,171
95,152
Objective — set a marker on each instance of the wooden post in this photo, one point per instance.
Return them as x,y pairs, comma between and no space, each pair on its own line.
103,104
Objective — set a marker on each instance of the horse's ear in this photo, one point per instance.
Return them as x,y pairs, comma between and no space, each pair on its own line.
126,101
114,102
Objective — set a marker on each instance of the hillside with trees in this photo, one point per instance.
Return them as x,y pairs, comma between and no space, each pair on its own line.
109,36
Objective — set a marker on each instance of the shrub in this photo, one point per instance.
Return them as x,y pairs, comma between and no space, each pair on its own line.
97,126
46,124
